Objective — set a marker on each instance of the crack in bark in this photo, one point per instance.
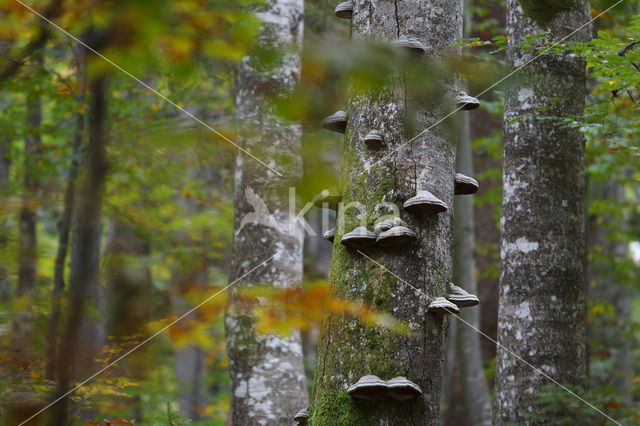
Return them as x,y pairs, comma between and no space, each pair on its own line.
397,18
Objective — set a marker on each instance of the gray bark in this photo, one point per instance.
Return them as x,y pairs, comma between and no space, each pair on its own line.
267,373
28,249
349,349
542,304
189,364
468,352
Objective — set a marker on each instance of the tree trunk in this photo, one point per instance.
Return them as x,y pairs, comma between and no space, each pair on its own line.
5,166
28,250
128,281
349,349
85,334
542,304
469,355
190,369
607,255
267,374
64,225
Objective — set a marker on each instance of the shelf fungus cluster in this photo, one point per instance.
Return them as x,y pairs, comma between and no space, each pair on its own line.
302,417
441,306
359,238
373,387
336,122
387,233
329,235
394,233
411,44
344,10
461,298
374,140
425,203
465,185
466,102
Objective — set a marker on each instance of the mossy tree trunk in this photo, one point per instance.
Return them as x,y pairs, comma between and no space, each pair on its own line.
267,373
542,304
349,349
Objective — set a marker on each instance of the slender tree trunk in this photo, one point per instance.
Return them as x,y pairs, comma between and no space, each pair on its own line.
64,225
603,272
128,281
349,349
267,374
5,166
28,250
476,392
189,364
542,303
85,335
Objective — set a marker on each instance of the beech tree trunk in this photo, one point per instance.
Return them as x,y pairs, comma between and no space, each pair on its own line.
84,334
349,349
542,303
267,374
28,250
477,399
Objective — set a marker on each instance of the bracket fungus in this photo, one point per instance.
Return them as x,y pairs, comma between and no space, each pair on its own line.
329,235
396,236
466,102
402,389
368,387
302,417
465,185
344,10
461,298
330,198
412,44
374,139
425,202
441,306
382,226
336,122
359,238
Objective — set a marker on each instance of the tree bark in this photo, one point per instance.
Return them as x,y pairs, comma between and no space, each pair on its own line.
542,304
64,225
267,374
468,352
349,349
28,249
5,166
85,334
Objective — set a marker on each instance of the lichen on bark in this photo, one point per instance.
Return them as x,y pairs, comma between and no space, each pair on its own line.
268,384
542,307
349,349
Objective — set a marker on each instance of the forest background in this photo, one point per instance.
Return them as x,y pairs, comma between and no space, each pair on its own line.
167,209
